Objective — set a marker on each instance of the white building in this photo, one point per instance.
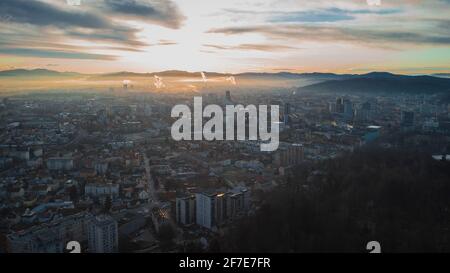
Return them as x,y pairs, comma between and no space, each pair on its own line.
101,190
103,235
60,163
211,209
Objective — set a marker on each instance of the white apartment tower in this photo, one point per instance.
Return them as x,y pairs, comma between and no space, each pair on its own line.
211,209
103,235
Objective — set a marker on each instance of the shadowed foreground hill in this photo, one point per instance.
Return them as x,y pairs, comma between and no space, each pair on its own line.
400,199
383,83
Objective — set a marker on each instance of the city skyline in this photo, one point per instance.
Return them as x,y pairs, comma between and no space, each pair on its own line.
405,37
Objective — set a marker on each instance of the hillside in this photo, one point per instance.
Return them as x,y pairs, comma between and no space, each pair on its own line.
396,197
383,83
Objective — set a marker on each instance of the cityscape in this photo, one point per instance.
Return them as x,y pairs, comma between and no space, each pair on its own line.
89,162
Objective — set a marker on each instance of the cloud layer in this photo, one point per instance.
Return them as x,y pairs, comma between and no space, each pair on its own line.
199,35
96,22
380,37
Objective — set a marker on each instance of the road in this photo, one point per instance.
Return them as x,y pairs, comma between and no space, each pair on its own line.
154,201
150,183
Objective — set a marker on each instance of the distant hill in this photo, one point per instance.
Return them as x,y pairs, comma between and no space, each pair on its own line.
381,82
293,76
121,74
442,75
313,82
176,73
36,73
168,73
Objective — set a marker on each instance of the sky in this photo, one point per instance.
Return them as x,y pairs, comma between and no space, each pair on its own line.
233,36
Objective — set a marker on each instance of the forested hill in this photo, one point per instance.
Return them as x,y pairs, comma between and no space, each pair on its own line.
398,198
376,83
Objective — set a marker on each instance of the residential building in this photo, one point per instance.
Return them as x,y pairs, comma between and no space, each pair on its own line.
103,235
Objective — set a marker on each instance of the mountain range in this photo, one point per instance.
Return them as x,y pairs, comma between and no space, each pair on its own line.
36,73
317,82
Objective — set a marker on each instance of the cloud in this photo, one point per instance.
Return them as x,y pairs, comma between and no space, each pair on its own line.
317,33
166,43
34,22
161,12
327,15
318,15
52,22
43,14
57,54
374,2
312,16
17,41
257,47
117,36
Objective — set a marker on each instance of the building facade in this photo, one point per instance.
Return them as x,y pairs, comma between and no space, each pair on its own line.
103,235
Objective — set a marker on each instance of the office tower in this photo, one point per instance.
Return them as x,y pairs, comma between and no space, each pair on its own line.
103,235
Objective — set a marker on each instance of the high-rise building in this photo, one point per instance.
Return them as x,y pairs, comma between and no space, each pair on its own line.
348,109
228,100
367,106
211,209
238,201
365,113
289,154
287,112
147,111
228,95
206,207
340,105
103,235
331,106
407,119
185,210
